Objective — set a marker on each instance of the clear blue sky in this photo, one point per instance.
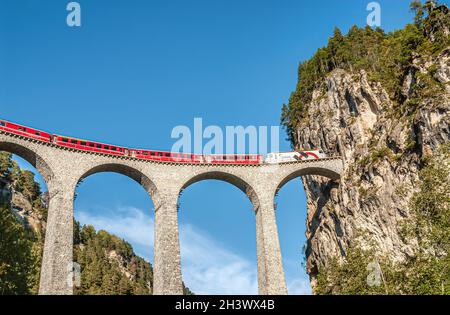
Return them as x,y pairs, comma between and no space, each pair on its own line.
136,69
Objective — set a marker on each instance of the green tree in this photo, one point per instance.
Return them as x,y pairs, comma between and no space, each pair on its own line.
5,165
417,7
429,269
17,259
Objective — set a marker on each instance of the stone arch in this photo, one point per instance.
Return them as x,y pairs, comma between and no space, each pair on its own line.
286,175
32,157
319,171
232,179
128,171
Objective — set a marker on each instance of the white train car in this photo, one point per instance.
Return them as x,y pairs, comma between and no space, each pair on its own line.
285,157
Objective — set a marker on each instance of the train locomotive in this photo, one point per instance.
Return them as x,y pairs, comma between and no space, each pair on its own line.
160,156
285,157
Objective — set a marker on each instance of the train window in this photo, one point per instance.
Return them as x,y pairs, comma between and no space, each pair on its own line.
91,145
65,140
74,141
83,143
167,154
160,154
152,153
2,123
113,148
38,133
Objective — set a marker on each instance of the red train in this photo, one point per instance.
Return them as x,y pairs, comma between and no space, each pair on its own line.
161,156
110,149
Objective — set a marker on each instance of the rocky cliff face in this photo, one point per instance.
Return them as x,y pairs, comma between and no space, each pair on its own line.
382,144
26,213
22,207
381,101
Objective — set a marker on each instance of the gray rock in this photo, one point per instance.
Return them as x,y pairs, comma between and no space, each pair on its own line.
355,120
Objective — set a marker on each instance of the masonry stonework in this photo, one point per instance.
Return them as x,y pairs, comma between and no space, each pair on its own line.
62,169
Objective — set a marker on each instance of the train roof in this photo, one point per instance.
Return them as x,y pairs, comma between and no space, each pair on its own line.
38,129
86,140
297,151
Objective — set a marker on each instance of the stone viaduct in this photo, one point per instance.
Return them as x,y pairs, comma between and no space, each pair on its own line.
62,169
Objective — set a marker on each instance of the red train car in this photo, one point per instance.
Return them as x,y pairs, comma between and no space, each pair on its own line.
242,159
164,156
25,131
91,146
